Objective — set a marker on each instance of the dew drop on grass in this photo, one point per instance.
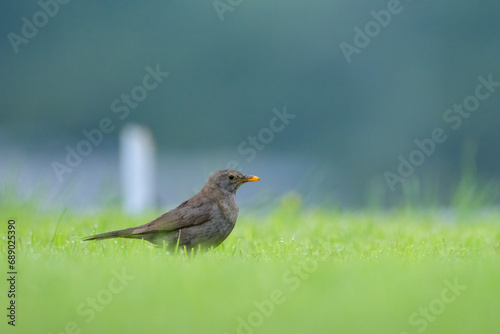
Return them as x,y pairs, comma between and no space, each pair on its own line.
116,242
95,225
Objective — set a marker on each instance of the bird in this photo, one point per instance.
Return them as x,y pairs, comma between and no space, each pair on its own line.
204,221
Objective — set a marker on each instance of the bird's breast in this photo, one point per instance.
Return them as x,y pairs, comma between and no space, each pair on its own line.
229,209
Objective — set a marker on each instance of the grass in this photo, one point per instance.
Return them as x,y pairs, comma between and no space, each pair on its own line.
294,270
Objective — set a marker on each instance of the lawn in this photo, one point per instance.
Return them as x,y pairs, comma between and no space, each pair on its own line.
292,270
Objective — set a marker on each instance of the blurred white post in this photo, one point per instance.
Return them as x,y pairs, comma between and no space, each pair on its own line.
138,168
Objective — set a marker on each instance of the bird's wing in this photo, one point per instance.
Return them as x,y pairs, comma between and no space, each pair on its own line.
194,211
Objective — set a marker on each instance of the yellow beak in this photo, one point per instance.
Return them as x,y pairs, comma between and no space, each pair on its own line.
252,178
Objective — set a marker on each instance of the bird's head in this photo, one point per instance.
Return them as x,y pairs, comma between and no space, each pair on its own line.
228,180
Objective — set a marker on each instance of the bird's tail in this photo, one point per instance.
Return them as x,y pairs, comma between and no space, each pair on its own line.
113,234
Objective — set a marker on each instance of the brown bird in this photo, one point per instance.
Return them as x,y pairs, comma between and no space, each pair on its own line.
205,220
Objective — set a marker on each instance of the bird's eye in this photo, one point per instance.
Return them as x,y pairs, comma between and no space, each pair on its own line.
230,176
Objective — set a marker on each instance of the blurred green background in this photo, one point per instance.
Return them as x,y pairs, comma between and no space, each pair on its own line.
354,119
